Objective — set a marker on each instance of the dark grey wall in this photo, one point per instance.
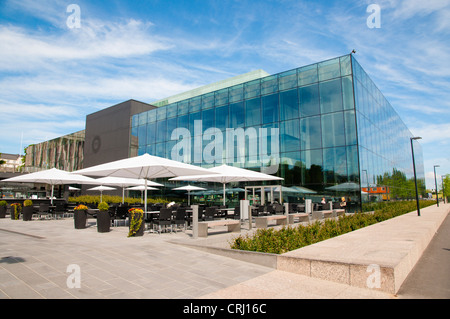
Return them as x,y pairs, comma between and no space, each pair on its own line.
108,132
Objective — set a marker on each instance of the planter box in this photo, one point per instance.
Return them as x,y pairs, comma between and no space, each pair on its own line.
2,211
27,213
80,217
141,229
103,222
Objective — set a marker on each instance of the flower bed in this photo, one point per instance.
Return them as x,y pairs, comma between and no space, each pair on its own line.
291,238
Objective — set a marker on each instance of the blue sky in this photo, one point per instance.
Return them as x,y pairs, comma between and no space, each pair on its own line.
52,75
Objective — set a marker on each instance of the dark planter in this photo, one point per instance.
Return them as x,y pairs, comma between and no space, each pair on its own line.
103,222
27,213
2,211
80,217
12,214
140,231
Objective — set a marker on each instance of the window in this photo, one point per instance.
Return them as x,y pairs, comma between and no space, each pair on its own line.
236,115
329,69
330,96
289,136
309,100
270,108
307,75
287,80
289,105
253,112
269,84
207,101
333,130
310,133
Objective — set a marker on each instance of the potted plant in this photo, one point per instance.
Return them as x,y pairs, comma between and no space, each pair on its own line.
80,216
137,225
27,213
3,205
103,218
16,208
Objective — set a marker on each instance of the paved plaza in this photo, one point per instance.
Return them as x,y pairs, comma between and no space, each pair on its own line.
48,258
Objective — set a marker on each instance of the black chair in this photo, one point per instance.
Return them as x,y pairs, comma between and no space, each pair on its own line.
210,213
180,218
236,213
121,215
59,211
164,219
44,209
279,209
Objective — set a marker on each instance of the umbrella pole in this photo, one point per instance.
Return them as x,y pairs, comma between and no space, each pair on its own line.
123,194
145,197
224,194
189,198
51,197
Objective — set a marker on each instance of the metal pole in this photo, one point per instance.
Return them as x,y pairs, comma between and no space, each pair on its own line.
435,184
415,177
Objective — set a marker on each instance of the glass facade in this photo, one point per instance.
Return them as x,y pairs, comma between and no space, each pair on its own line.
325,127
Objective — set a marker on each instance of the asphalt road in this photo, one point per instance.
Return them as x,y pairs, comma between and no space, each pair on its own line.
430,278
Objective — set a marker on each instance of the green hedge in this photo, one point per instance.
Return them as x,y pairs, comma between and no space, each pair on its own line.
95,199
269,240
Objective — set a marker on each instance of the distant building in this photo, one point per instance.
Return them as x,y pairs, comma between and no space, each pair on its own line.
12,163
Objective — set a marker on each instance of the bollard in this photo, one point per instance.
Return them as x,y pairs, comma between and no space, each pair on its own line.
194,221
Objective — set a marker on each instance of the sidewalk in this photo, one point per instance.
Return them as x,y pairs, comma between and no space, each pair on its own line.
35,257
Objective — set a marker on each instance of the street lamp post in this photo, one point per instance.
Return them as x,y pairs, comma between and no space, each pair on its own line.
435,184
415,177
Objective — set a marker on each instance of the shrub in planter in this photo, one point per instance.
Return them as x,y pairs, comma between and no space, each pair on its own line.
3,205
27,212
16,209
103,218
80,216
137,224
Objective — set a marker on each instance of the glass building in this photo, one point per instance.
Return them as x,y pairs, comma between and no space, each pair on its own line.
325,127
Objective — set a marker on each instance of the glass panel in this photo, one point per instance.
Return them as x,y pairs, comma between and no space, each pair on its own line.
270,108
222,117
161,131
289,136
208,119
161,113
192,118
330,96
335,165
135,120
183,107
171,110
329,69
347,93
171,125
221,97
237,115
252,89
195,104
350,128
291,170
161,150
208,100
310,133
307,75
312,167
253,112
352,164
333,130
151,133
287,80
289,105
142,134
183,121
309,100
346,66
236,93
269,84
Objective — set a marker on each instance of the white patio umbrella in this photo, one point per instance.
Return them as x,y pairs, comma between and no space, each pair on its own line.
348,186
124,182
52,177
101,189
189,188
225,174
145,166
